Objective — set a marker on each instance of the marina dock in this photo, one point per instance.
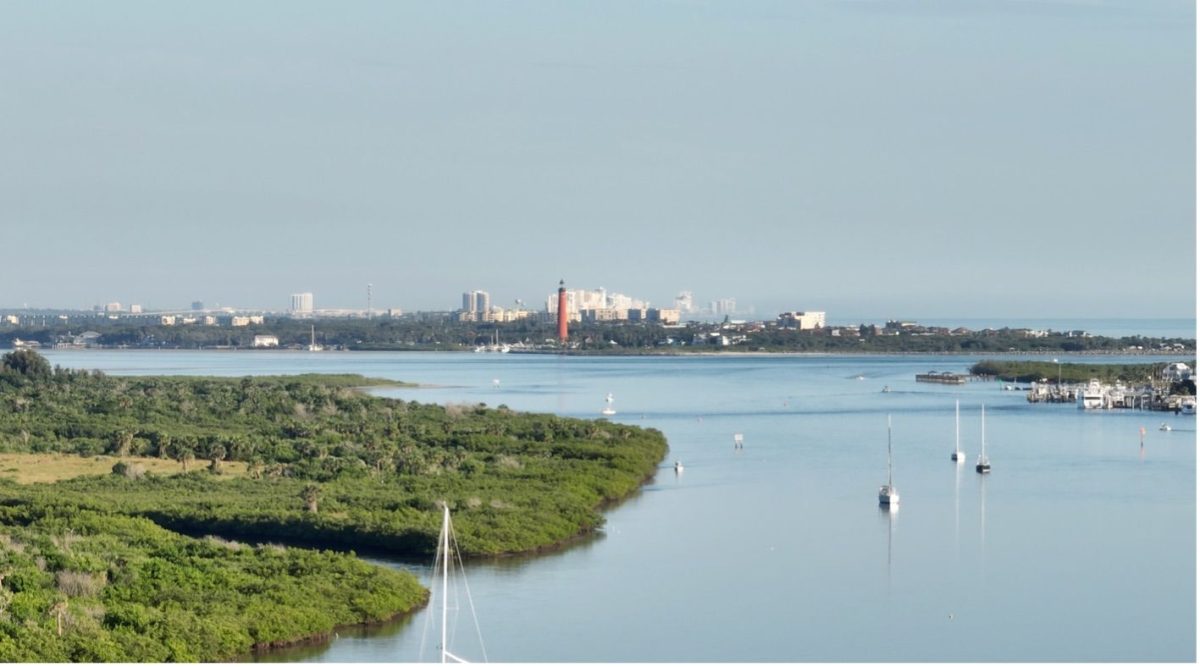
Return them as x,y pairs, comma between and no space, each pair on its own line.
1096,396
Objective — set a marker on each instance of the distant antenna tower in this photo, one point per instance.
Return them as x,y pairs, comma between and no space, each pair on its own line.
368,301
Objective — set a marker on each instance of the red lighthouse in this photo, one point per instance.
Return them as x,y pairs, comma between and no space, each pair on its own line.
562,313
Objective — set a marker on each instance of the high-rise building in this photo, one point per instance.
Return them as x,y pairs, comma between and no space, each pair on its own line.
684,302
476,302
302,304
579,300
197,305
726,306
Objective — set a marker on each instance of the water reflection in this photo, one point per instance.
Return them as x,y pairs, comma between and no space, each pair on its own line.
889,515
958,473
983,524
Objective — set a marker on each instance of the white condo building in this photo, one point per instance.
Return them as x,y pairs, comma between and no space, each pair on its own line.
476,301
811,319
684,303
302,304
595,300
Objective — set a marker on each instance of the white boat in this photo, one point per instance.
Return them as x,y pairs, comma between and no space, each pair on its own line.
959,455
888,495
1092,396
1165,427
495,345
984,465
447,558
608,410
737,441
678,467
312,340
1188,406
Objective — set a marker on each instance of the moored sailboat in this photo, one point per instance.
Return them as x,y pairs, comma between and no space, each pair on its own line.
984,465
958,456
888,495
446,558
608,410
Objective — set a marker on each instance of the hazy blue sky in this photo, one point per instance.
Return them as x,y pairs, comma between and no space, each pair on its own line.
867,158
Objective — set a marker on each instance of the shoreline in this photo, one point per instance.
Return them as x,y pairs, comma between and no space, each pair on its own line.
263,648
667,353
583,536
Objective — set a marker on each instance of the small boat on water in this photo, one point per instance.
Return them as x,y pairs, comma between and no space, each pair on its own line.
678,467
984,465
737,441
1165,427
888,495
959,455
608,410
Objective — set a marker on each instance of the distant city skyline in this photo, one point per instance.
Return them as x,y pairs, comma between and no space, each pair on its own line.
867,159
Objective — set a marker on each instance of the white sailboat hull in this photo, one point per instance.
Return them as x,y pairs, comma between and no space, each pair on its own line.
888,496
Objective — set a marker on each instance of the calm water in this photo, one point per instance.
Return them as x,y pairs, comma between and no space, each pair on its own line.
1079,546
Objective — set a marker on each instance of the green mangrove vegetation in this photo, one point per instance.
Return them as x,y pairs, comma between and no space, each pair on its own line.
327,466
87,586
1033,371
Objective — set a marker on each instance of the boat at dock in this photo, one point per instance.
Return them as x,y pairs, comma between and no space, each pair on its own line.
312,340
1091,397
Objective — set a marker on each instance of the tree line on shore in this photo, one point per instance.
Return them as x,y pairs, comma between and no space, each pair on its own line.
1072,373
443,333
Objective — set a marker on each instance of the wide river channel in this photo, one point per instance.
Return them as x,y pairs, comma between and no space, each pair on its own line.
1080,545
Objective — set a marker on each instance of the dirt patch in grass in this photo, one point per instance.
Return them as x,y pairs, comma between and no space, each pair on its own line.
48,468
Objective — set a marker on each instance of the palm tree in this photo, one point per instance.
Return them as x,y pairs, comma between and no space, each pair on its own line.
311,494
58,610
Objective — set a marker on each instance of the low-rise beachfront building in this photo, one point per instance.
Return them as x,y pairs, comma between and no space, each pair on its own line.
803,320
266,341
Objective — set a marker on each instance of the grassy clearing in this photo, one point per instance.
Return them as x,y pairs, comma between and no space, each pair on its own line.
50,468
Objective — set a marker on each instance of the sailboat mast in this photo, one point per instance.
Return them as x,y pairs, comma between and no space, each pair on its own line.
957,438
982,432
889,451
445,572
